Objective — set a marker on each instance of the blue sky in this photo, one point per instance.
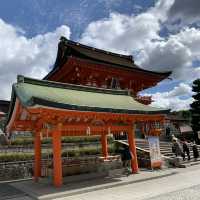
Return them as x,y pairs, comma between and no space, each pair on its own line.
162,35
41,16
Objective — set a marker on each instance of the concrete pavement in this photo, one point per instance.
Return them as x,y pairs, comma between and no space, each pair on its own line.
145,185
45,190
183,185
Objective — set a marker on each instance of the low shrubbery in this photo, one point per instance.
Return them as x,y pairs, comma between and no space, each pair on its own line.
22,141
75,139
12,157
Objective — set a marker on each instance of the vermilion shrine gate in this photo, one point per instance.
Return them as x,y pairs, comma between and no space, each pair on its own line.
72,110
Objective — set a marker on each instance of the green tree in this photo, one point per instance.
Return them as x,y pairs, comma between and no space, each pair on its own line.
195,109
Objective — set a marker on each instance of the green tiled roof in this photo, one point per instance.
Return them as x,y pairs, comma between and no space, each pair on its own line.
36,93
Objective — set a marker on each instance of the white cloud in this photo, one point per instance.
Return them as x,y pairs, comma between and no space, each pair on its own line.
139,35
190,38
125,34
28,56
175,103
177,99
181,90
167,55
176,53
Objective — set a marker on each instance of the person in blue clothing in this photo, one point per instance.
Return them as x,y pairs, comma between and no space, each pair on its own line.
126,159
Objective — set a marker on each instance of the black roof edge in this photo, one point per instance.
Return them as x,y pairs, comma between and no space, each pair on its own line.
24,79
11,107
66,41
4,101
165,73
129,57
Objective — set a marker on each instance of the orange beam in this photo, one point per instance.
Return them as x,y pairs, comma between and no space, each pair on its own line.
55,116
24,123
78,130
97,115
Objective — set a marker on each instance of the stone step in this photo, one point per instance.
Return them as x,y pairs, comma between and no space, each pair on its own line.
166,150
191,162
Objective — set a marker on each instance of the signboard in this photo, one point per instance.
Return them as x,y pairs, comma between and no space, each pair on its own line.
154,148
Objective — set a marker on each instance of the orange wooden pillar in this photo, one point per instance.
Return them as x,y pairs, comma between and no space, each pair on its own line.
132,147
37,149
57,159
104,145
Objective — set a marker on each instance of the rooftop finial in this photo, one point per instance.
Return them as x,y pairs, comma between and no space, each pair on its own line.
20,79
63,39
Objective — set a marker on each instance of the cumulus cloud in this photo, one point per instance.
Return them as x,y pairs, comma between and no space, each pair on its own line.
125,34
177,99
28,56
175,53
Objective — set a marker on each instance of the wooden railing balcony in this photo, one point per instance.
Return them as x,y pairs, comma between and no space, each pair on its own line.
144,99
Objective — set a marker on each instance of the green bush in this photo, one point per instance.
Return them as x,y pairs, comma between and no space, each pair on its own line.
22,141
66,139
87,151
11,157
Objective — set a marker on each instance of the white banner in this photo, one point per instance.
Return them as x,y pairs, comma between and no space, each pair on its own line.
154,148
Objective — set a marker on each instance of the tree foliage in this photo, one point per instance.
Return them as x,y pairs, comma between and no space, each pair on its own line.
195,108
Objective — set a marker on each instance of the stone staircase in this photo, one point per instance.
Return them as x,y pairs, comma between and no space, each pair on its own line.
166,150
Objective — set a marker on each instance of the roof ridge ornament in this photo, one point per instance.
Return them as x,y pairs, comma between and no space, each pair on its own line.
20,79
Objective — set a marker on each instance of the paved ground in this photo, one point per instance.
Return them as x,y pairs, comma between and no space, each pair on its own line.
45,190
184,185
173,184
9,192
191,193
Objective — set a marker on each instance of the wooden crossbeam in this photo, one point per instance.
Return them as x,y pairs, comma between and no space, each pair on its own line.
98,115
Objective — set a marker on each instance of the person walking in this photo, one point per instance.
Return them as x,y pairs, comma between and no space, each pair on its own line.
126,159
177,148
186,149
195,151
